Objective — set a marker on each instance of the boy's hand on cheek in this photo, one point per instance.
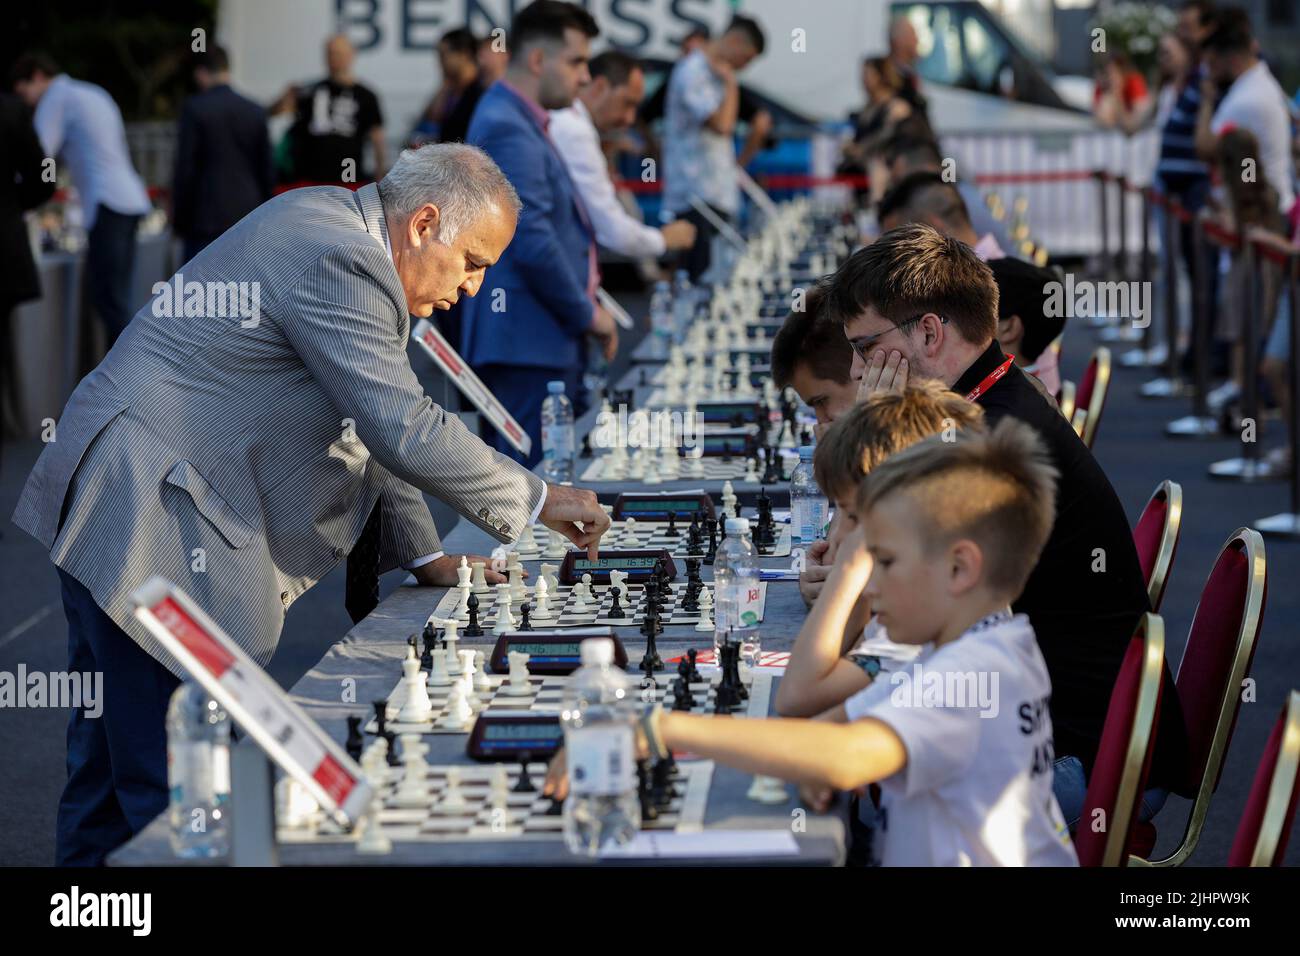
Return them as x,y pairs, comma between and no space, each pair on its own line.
811,581
853,556
817,798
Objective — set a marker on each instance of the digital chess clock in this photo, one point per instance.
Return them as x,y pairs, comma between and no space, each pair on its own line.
735,444
551,652
499,736
734,414
651,507
638,565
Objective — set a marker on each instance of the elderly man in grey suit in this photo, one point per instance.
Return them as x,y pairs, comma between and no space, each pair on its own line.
241,431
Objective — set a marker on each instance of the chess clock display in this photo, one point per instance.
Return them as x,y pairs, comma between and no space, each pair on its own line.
739,443
652,507
639,564
551,652
512,737
734,414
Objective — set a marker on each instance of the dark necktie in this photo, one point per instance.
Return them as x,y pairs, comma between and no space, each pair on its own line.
361,592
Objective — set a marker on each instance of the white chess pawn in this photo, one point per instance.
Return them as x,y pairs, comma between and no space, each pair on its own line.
518,685
728,496
458,713
541,601
467,680
583,593
630,539
479,581
413,789
499,788
751,470
505,620
650,473
416,707
453,800
438,674
463,572
371,840
706,605
696,467
461,611
482,683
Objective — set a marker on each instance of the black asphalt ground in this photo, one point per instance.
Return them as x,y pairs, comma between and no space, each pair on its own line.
1130,446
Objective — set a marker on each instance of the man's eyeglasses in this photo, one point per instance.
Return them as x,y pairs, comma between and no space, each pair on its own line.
864,344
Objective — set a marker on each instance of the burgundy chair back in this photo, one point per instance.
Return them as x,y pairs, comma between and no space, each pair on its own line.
1119,773
1271,804
1156,538
1230,611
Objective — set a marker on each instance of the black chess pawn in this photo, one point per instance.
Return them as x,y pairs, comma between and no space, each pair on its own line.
355,739
525,783
615,608
695,677
393,759
682,699
586,445
671,531
430,641
524,610
381,716
472,628
713,542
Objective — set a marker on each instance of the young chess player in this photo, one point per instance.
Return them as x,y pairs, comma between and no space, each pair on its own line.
961,743
840,648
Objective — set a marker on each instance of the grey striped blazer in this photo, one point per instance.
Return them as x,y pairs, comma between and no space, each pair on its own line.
240,456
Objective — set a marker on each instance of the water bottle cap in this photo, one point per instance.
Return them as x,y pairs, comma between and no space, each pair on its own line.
555,388
596,652
738,525
805,452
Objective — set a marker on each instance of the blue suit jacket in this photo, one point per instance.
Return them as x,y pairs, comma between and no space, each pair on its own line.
533,308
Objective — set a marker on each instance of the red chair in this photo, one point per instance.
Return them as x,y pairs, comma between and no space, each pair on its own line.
1119,774
1065,400
1270,809
1156,537
1090,397
1220,647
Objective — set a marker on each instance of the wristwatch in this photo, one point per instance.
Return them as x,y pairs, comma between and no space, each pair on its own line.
868,662
649,721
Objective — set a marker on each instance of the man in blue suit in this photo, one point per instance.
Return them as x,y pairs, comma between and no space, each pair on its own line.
530,322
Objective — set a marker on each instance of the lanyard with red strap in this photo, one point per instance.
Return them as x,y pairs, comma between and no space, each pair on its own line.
990,379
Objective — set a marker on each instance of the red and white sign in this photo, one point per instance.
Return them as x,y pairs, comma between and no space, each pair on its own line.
265,712
470,385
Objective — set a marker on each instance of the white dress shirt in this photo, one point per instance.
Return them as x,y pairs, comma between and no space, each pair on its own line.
81,125
578,141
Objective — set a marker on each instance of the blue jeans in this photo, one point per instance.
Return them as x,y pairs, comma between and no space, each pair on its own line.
117,762
1070,785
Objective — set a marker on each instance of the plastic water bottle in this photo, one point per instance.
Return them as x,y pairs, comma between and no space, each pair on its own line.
598,712
736,592
557,435
683,303
661,310
808,506
198,773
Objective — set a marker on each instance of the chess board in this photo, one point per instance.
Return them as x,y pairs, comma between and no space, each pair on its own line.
705,396
564,614
757,372
653,535
711,468
525,815
547,690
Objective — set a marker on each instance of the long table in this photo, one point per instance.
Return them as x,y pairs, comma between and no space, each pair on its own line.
367,664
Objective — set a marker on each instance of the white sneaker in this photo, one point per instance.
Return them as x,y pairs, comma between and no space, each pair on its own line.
1222,396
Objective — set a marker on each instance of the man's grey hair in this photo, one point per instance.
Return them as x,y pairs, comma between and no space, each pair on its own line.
461,180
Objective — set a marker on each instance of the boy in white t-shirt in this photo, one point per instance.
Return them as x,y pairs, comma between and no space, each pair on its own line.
841,648
961,743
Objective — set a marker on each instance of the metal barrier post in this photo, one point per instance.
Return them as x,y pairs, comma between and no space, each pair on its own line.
1199,424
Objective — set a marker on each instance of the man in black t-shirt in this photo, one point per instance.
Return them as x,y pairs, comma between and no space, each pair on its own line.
917,303
335,117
